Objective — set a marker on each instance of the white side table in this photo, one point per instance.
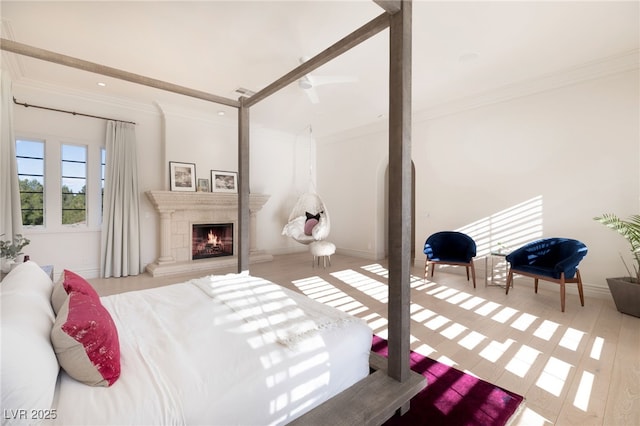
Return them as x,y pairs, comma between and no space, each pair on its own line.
502,260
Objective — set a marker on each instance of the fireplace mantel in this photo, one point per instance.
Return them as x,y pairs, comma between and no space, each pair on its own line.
179,210
172,200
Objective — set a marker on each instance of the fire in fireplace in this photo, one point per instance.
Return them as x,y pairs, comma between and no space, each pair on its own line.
212,240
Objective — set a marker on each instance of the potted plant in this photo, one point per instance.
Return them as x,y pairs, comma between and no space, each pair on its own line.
626,290
10,250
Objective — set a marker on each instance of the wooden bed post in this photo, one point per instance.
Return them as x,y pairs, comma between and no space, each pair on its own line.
243,186
399,192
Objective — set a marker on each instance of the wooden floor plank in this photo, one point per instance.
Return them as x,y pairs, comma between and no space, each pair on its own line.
623,399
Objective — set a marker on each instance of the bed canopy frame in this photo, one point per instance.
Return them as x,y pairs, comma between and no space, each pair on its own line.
396,16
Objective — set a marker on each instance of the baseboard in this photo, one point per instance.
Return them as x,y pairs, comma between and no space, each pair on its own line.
301,248
357,253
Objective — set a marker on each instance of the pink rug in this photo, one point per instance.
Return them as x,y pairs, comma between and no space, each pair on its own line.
453,398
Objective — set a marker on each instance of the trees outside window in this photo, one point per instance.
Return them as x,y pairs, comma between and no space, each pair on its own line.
30,156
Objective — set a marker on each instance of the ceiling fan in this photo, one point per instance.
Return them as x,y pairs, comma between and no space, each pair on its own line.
309,82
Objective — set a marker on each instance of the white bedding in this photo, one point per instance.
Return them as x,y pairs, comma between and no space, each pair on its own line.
188,357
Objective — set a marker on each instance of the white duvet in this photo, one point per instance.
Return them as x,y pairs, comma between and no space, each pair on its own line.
190,357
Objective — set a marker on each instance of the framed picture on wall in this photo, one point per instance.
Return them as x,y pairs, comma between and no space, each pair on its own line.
224,181
203,185
182,176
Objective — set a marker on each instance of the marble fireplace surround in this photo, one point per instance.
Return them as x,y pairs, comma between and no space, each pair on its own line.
180,210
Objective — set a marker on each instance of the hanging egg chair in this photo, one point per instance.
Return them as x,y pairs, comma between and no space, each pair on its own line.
309,220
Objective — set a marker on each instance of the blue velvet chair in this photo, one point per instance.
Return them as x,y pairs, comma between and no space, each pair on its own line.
450,248
549,259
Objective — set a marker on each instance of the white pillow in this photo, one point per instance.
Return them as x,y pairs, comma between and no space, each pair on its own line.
29,368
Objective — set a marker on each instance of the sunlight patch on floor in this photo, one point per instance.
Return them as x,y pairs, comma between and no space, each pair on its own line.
423,285
423,315
318,289
420,314
504,315
596,349
524,321
522,361
472,303
453,331
546,330
531,418
458,298
494,350
365,284
437,290
424,350
436,322
449,292
487,308
571,339
471,340
377,269
376,322
446,361
554,376
583,395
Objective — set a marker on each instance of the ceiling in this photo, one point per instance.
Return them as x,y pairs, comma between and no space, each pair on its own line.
460,49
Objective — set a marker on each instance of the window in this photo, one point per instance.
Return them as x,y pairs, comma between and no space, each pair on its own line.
74,184
30,159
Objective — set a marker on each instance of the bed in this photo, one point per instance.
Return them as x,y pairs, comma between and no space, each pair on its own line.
227,349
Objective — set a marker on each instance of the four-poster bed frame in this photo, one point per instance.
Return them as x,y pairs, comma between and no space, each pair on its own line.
391,386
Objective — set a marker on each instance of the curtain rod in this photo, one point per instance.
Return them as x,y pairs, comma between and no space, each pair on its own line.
26,105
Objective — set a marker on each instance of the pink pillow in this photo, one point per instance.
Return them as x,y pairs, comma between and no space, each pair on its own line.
85,340
68,282
309,225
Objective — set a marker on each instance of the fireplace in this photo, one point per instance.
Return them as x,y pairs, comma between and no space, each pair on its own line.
211,240
178,211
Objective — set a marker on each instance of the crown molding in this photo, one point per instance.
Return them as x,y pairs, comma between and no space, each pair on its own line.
624,62
593,70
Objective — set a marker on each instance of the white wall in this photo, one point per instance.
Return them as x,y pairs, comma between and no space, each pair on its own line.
279,166
78,248
577,148
279,163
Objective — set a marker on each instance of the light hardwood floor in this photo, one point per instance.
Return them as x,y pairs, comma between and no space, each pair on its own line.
580,367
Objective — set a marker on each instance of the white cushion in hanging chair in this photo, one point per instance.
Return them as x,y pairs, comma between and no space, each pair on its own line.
295,228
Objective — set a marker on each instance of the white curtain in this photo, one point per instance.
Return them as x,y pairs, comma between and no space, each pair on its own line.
10,212
120,256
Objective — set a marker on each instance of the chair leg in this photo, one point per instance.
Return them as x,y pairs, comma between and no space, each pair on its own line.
467,268
509,280
426,269
535,281
473,274
562,292
580,287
